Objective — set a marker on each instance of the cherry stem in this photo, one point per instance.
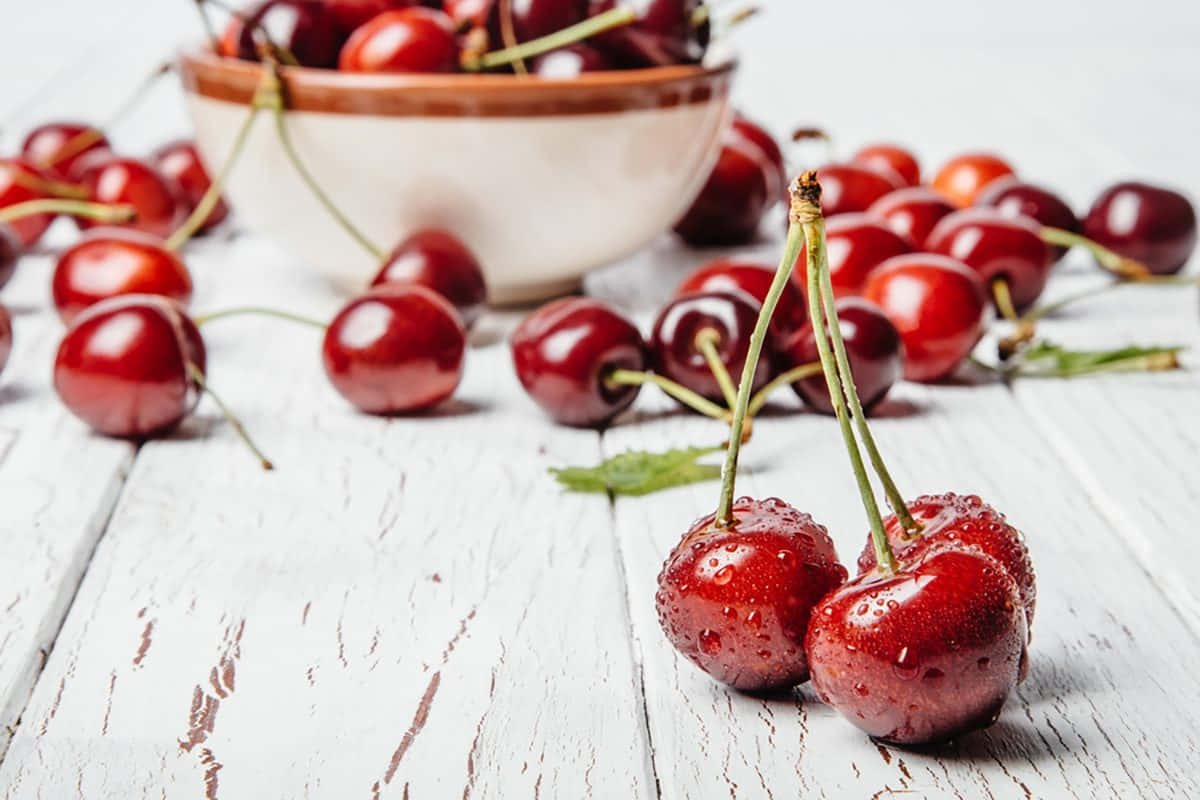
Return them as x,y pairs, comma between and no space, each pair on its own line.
206,23
1158,361
693,400
197,377
277,51
204,319
508,34
1109,260
1024,332
741,406
806,214
51,187
613,18
1151,280
101,212
791,376
706,342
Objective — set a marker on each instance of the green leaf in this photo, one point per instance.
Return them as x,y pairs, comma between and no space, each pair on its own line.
637,472
1047,359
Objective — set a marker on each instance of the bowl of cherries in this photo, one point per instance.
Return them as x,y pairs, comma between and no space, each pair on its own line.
515,125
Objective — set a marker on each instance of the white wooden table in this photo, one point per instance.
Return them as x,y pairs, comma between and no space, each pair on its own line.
412,608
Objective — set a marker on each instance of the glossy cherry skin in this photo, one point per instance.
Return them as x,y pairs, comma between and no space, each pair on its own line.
409,40
924,655
179,161
965,521
306,28
661,35
564,352
530,18
723,274
732,316
997,246
912,212
855,244
351,14
42,146
439,261
1014,197
395,350
122,366
570,62
873,346
1153,225
16,175
157,201
6,337
962,178
885,157
846,188
108,262
736,600
939,306
10,253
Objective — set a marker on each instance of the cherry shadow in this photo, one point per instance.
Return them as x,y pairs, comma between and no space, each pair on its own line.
15,393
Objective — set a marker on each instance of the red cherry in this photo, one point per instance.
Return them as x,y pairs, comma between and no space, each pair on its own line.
852,187
18,184
723,274
112,261
873,346
923,655
938,305
409,40
438,260
395,349
180,162
887,157
6,337
44,147
730,316
305,28
10,253
351,14
572,61
964,177
123,366
661,35
855,244
564,352
736,600
912,212
1150,224
1013,197
156,200
997,247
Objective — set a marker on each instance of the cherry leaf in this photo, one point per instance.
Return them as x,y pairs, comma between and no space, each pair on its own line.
637,472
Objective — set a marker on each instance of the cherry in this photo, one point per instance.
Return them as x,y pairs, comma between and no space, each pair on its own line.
112,261
19,182
409,40
912,212
924,654
997,247
755,280
306,29
179,161
939,306
964,177
125,366
6,337
855,244
10,253
395,349
351,14
116,180
746,182
889,157
564,354
438,260
661,34
572,61
736,599
853,187
1014,197
58,147
1153,225
531,19
873,345
727,319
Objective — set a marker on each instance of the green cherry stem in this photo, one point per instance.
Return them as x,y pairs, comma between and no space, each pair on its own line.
51,187
241,311
197,377
694,401
1009,345
613,18
508,34
1109,260
706,342
783,379
100,212
261,35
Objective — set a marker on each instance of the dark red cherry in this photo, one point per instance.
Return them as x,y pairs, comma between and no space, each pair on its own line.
885,157
10,253
351,14
912,212
6,337
855,244
873,346
438,260
1014,197
180,162
570,62
157,201
996,246
409,40
113,261
662,34
57,147
1151,224
923,655
530,18
564,352
723,274
963,177
847,188
939,306
395,350
736,600
19,183
305,28
123,366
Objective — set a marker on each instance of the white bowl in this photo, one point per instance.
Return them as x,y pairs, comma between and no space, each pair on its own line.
544,179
